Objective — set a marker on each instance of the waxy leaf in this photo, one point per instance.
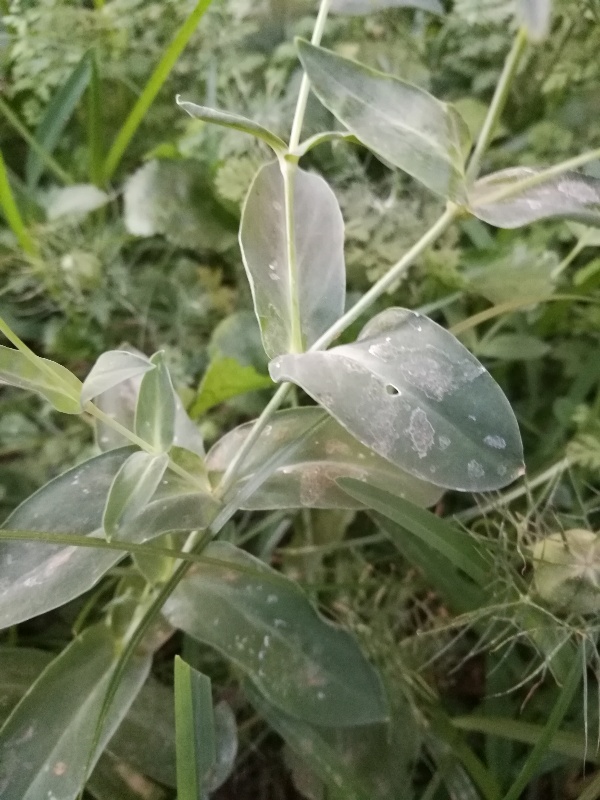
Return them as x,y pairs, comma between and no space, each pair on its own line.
400,122
319,281
156,407
535,16
54,383
235,121
360,7
46,743
308,478
263,623
74,201
111,369
19,668
570,196
411,392
132,489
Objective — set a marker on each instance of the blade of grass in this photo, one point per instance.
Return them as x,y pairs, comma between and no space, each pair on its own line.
530,767
55,120
34,146
194,730
94,123
152,88
13,215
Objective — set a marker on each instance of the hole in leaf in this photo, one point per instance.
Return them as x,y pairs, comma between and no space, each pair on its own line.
391,390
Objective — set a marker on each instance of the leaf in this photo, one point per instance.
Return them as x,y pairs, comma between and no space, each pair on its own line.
20,667
194,725
455,546
45,744
513,347
74,201
536,17
132,489
319,282
156,406
309,477
570,195
226,378
146,737
411,392
359,7
52,381
54,121
111,369
113,778
518,271
235,121
35,577
174,198
263,623
400,122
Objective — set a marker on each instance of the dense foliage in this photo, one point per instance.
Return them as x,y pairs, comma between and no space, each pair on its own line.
463,661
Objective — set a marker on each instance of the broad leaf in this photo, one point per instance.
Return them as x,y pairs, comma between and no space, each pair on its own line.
359,7
54,383
56,117
111,369
411,392
402,123
512,347
74,201
226,378
319,282
517,271
264,624
46,743
35,577
20,667
132,489
156,406
235,121
570,195
308,478
535,16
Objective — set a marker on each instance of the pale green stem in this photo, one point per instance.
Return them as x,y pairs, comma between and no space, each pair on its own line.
288,171
305,85
497,105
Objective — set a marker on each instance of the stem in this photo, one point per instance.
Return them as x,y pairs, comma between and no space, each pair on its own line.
497,105
305,85
288,171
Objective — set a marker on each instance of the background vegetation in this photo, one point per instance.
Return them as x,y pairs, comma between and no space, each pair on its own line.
495,695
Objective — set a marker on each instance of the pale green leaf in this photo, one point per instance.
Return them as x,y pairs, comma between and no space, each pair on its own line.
56,117
156,407
359,7
519,271
111,369
235,121
319,280
74,201
411,392
194,725
264,624
536,17
512,347
132,489
54,383
402,123
308,478
570,195
20,667
46,743
226,378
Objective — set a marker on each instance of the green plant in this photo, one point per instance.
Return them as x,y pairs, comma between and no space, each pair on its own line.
409,413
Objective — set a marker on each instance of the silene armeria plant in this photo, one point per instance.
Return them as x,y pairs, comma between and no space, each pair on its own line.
403,413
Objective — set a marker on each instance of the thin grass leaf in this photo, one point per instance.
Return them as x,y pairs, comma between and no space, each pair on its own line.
13,215
195,731
152,88
56,118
